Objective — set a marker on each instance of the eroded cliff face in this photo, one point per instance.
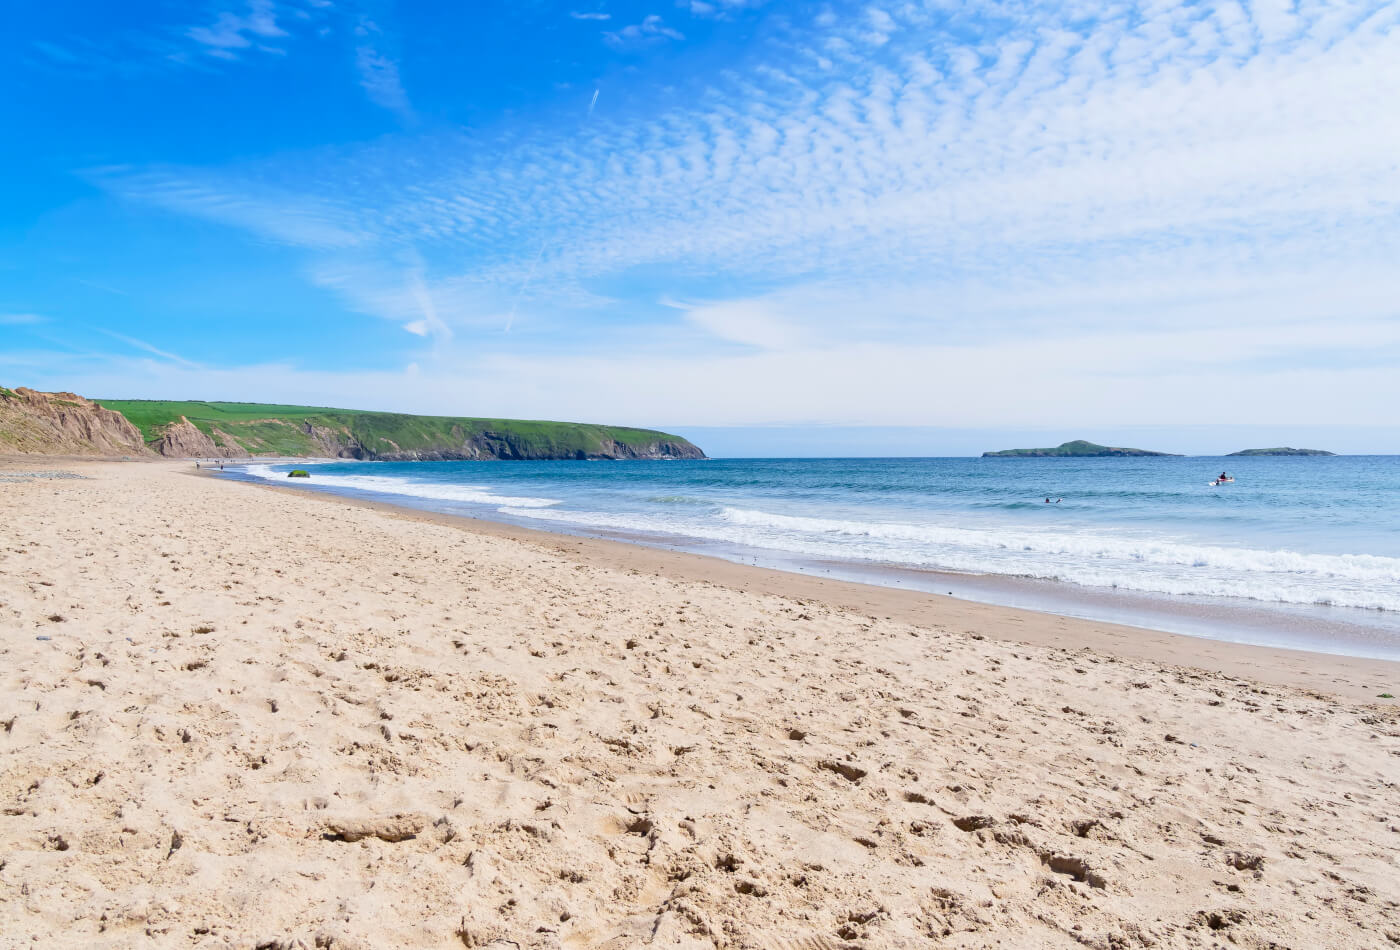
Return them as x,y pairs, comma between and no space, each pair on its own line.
35,423
228,446
184,440
335,442
495,445
340,442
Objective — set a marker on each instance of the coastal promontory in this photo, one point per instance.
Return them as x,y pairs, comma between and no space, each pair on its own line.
1281,451
63,423
1079,448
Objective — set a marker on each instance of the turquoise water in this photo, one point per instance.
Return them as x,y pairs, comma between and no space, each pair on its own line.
1306,547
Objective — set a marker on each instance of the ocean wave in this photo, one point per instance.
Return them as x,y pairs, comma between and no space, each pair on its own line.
1354,567
1086,559
410,487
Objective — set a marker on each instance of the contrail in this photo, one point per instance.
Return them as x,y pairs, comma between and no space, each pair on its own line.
515,305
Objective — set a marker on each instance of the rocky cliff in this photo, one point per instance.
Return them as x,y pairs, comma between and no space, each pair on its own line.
461,444
63,424
490,444
183,439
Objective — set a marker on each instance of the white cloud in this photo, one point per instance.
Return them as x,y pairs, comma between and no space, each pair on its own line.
237,31
228,31
717,8
652,29
881,26
749,322
271,213
590,16
379,75
59,54
153,350
431,323
379,71
19,319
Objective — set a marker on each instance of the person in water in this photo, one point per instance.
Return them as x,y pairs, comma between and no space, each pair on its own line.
1222,477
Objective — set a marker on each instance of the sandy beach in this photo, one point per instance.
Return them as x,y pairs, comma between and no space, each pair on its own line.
235,716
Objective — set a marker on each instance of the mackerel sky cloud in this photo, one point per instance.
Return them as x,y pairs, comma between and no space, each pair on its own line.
860,214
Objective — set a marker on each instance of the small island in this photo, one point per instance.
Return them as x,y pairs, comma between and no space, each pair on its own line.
1280,451
1079,448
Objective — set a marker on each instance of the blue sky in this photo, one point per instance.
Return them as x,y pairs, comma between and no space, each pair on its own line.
1061,218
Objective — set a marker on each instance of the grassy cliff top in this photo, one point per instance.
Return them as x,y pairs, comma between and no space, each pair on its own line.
152,415
1079,448
264,429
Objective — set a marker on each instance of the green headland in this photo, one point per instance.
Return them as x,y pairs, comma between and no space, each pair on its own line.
1079,448
240,428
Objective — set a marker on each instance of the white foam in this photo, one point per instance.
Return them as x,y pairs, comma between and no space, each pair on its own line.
1357,567
411,487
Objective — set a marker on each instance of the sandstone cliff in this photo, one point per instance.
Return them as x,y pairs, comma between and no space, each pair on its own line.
63,424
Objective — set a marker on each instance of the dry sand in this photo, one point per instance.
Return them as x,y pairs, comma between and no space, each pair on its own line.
265,719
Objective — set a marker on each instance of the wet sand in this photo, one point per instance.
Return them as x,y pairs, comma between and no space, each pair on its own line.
1341,676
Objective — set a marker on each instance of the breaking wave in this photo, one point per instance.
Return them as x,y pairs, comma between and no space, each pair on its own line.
416,488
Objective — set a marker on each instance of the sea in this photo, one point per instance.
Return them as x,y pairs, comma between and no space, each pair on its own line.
1297,552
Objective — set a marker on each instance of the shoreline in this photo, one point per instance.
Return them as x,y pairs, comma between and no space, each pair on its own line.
1354,678
1256,604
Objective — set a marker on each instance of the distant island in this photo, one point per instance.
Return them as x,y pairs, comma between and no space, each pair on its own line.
1281,451
1076,449
66,424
